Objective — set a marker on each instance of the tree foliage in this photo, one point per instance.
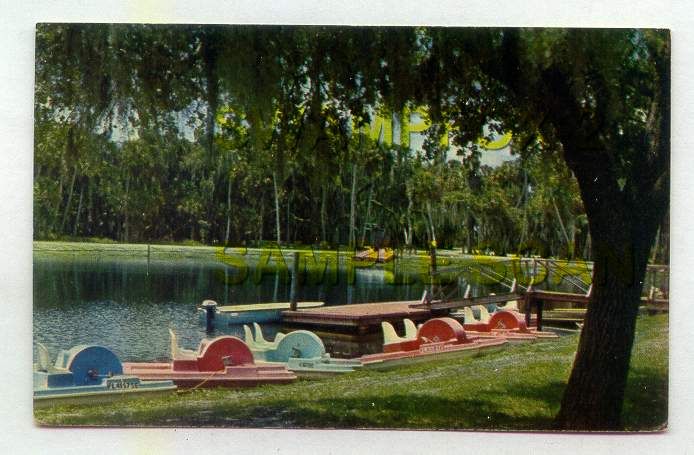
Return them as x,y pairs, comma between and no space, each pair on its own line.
240,134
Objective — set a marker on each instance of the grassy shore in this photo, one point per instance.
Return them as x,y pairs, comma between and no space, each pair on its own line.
519,388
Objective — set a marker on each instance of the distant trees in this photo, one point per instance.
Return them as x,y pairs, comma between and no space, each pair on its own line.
236,134
278,150
216,134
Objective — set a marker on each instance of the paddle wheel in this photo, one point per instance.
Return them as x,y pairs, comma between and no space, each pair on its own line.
87,373
223,361
501,319
298,344
436,338
507,323
302,351
89,364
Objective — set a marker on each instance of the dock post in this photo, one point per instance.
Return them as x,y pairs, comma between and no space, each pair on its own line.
528,298
295,283
528,307
432,269
148,258
210,307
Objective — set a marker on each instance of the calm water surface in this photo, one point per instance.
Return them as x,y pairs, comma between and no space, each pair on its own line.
128,305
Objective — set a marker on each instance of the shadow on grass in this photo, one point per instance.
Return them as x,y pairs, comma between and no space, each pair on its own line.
487,411
646,400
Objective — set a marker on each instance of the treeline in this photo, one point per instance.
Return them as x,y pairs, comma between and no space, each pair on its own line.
244,134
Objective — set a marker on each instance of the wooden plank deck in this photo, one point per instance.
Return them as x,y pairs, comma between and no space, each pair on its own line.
361,316
471,301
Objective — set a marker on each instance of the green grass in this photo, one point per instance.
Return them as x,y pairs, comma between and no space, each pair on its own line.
519,388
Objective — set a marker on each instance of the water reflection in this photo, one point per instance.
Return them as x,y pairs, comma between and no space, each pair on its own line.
129,305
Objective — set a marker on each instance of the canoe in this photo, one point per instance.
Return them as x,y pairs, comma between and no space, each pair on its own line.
247,314
225,361
88,374
436,339
302,351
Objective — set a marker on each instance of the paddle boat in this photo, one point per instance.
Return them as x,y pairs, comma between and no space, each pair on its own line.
224,361
211,312
87,374
302,351
380,256
439,338
506,323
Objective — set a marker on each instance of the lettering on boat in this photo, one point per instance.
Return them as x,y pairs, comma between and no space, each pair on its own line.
434,348
122,383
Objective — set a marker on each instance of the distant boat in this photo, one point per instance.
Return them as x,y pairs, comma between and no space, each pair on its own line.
247,314
225,361
302,351
369,254
87,374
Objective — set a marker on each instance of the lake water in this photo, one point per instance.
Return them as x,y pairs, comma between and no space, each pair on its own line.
128,305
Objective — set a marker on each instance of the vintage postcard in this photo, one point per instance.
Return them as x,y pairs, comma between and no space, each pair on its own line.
330,227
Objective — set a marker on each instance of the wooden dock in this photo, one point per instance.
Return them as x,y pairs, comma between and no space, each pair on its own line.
362,317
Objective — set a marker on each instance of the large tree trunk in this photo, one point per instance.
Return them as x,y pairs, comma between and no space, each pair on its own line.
622,228
622,225
623,210
594,395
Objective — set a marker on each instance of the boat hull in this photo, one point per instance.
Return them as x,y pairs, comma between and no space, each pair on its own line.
98,394
233,377
432,352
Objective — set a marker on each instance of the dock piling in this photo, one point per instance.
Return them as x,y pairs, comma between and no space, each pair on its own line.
295,283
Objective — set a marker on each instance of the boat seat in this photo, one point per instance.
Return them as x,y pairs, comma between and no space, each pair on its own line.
260,339
511,305
469,315
389,334
44,360
178,353
248,337
484,313
410,329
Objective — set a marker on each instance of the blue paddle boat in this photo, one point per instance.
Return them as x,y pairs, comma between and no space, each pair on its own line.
302,351
87,374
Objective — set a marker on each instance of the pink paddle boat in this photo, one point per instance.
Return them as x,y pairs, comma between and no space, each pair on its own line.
225,361
439,338
509,324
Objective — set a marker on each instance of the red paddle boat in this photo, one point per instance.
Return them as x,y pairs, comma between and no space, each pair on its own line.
509,324
225,361
437,338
